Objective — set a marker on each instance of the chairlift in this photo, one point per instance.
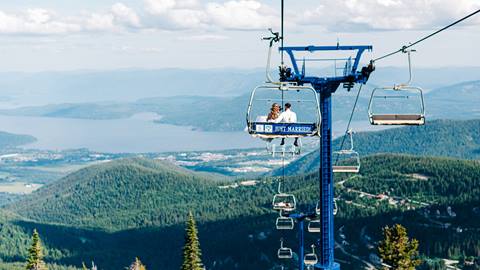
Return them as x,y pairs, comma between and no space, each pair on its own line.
347,160
265,95
284,252
314,226
284,223
335,207
311,258
398,97
284,150
318,209
283,201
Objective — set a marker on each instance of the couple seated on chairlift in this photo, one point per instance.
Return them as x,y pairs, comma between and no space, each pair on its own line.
287,116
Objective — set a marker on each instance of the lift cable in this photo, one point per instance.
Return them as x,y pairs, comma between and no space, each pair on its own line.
281,28
427,37
351,117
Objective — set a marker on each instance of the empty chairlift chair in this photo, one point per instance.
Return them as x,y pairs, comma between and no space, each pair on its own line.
284,252
284,223
311,258
346,160
314,226
398,105
304,102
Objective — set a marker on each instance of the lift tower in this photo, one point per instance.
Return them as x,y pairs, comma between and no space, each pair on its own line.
326,87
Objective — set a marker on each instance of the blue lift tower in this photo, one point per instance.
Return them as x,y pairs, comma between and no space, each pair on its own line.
325,87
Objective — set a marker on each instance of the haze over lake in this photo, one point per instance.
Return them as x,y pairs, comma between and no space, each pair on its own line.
138,134
134,135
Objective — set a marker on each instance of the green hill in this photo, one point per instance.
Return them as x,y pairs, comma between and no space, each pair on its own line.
449,138
129,193
112,212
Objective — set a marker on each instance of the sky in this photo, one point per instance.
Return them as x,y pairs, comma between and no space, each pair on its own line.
45,35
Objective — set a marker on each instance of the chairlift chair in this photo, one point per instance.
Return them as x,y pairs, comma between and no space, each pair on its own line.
259,127
311,258
284,223
284,150
403,92
284,252
283,201
314,226
346,160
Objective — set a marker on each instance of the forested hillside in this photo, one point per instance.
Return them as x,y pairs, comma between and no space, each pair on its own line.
140,193
8,140
112,212
449,138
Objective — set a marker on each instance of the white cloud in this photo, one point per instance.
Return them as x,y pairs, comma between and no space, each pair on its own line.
203,37
190,14
241,15
159,7
334,15
125,15
36,21
40,21
366,15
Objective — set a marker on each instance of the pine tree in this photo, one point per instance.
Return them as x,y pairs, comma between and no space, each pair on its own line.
397,250
137,265
191,251
35,254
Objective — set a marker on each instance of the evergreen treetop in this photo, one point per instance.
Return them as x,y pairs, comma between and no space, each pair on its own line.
397,250
191,251
35,254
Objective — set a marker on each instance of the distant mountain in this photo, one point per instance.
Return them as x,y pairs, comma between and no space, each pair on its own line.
83,216
127,85
228,113
449,138
8,140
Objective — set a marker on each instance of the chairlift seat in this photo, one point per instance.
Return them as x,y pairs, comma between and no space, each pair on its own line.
284,223
284,253
346,169
397,119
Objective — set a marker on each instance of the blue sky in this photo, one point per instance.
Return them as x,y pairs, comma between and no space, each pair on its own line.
46,35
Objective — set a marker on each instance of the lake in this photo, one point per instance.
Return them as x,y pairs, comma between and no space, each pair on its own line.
138,134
